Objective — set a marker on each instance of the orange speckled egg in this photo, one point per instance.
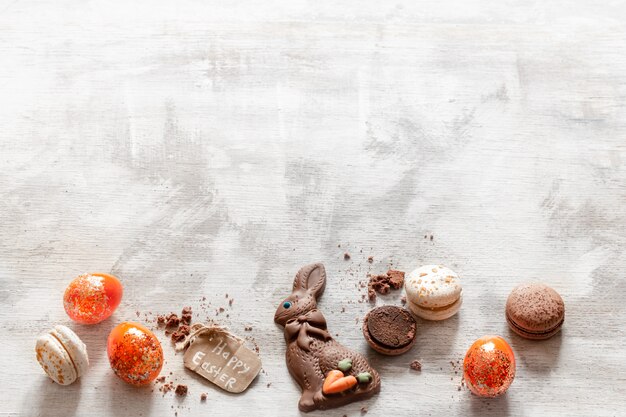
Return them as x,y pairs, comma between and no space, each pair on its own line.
135,353
489,366
91,298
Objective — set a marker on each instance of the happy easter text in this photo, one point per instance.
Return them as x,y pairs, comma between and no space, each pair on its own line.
234,363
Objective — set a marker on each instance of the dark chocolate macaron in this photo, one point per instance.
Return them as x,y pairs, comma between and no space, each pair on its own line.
390,330
535,311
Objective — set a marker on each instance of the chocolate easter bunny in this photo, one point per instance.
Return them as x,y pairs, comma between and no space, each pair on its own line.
329,374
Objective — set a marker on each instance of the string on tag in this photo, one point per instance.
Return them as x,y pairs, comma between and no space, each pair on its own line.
199,329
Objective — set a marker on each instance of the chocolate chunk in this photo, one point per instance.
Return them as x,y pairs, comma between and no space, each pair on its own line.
203,396
181,390
177,337
383,282
346,256
416,365
377,284
396,278
180,334
172,321
185,316
371,293
370,259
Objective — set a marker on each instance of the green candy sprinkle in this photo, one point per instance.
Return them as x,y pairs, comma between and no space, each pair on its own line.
345,365
364,377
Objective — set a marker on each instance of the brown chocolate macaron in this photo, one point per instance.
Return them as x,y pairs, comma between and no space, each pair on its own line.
535,311
390,330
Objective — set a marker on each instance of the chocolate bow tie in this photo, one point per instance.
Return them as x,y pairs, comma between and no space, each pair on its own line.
305,328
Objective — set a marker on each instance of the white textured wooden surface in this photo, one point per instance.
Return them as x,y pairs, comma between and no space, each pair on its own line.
203,148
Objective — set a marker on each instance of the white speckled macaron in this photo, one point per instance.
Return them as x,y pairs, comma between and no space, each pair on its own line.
433,292
62,355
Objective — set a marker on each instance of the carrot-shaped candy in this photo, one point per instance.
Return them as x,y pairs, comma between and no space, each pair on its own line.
331,377
340,385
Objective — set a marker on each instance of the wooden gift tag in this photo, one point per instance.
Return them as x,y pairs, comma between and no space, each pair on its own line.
220,357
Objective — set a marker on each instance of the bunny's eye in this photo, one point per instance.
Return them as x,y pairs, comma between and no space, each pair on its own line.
286,304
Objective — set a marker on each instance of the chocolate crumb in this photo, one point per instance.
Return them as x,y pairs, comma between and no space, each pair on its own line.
346,256
177,337
363,410
180,334
416,365
181,390
186,315
230,302
160,379
203,396
269,384
221,309
172,321
248,328
431,237
370,259
403,300
396,278
382,283
160,320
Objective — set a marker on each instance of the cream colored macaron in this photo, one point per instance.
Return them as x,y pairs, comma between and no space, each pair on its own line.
433,292
62,355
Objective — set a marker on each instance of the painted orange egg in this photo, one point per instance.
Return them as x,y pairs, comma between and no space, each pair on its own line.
91,298
489,366
135,354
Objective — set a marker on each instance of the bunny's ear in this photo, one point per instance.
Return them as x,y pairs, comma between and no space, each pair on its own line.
311,278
